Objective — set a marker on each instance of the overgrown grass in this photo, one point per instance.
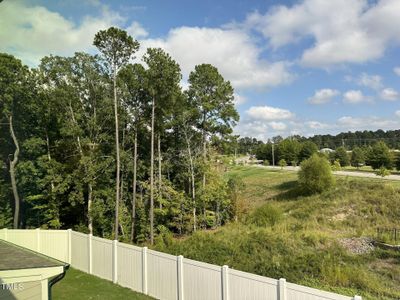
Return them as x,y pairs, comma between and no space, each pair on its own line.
297,237
82,286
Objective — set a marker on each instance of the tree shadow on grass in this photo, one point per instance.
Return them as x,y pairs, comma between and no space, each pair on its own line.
290,191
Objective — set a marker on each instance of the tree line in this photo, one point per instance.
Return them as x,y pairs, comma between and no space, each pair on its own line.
111,147
349,140
292,152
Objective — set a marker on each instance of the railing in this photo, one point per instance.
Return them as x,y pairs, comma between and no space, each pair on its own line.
158,274
390,235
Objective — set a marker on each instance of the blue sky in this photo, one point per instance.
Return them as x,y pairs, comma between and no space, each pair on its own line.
298,67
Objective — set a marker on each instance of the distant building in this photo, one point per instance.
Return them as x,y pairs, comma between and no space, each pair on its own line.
326,150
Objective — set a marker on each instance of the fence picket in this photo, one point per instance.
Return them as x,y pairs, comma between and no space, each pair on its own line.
192,280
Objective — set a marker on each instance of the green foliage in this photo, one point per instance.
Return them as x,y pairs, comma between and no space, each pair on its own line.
380,156
341,155
266,215
357,157
116,46
289,150
308,148
303,245
398,161
336,166
282,163
382,171
315,175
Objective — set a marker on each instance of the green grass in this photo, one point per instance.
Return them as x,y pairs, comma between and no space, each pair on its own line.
82,286
288,235
367,169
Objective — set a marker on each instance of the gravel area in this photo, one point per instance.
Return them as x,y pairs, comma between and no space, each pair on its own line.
357,245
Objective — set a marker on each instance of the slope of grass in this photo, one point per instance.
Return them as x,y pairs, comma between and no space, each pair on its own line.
82,286
298,237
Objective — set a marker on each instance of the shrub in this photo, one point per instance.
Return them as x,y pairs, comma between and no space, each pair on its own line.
266,215
282,163
380,156
315,175
336,166
383,172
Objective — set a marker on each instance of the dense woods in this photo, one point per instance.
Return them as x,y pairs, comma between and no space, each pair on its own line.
104,145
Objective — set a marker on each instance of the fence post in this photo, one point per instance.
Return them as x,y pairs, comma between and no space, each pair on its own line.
224,274
144,270
357,297
282,288
69,234
38,240
179,262
90,253
115,261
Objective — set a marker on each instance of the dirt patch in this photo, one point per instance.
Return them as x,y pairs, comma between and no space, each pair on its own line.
357,245
342,215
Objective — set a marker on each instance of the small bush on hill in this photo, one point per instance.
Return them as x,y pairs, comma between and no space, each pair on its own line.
266,215
315,175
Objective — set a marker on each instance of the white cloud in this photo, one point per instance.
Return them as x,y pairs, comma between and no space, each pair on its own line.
232,51
278,126
263,122
389,94
354,96
239,99
268,113
323,96
317,125
397,113
31,32
371,81
367,123
136,30
359,32
396,70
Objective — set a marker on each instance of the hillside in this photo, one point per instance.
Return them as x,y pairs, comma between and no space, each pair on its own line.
320,241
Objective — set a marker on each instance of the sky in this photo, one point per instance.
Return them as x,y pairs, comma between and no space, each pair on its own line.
298,67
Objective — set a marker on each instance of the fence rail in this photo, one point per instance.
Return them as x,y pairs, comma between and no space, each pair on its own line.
160,275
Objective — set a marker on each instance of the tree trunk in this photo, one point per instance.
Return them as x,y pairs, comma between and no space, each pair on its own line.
13,164
192,179
89,212
152,174
49,158
117,155
204,165
134,188
159,169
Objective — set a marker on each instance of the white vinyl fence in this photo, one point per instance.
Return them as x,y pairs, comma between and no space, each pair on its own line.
157,274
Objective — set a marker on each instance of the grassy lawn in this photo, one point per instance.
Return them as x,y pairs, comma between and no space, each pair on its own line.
82,286
300,238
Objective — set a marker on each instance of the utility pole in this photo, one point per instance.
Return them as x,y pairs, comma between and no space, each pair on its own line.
273,155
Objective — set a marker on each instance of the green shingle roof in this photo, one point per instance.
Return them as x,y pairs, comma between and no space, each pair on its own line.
13,257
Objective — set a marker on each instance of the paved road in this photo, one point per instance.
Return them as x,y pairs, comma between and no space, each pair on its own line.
341,173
